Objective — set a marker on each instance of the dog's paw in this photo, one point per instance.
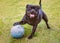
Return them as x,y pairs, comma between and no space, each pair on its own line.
30,37
17,23
48,27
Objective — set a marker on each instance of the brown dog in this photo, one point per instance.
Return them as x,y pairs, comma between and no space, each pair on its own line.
33,16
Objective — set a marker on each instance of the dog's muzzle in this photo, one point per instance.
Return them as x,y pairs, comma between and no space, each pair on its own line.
32,13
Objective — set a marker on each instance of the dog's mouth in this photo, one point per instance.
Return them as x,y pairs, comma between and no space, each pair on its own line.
32,15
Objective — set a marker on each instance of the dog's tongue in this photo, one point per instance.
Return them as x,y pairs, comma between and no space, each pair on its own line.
32,15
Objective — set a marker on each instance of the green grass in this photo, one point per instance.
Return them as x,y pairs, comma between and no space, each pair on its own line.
13,10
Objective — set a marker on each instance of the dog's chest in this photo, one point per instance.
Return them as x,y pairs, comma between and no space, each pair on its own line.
34,21
31,22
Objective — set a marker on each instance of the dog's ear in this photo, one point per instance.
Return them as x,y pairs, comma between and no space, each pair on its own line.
38,7
27,5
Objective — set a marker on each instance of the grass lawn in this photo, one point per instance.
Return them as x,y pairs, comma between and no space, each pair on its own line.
13,10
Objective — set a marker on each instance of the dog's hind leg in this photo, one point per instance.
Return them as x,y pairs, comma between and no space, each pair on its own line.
46,20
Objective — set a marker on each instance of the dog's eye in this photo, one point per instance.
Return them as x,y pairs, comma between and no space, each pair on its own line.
28,9
28,12
37,9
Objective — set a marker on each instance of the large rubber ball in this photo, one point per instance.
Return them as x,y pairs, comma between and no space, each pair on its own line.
17,31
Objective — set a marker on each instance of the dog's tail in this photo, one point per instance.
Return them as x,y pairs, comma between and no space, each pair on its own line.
40,4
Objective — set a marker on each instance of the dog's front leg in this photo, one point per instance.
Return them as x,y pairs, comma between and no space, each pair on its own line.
19,23
33,31
23,21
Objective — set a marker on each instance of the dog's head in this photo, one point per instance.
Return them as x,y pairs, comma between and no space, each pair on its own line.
32,11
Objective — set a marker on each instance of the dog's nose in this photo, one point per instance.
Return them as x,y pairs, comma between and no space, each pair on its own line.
32,10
